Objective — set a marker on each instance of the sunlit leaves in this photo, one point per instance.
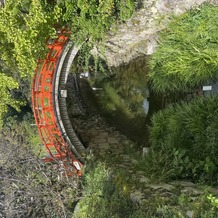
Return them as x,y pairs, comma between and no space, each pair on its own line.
126,9
25,26
7,84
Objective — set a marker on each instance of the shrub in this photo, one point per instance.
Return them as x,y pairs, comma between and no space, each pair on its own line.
92,19
101,196
184,140
188,51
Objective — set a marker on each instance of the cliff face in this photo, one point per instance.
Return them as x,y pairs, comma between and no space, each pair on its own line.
138,36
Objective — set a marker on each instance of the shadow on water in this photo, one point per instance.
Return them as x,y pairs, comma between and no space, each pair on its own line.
122,96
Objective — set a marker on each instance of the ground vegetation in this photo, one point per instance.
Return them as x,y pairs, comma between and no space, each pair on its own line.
183,141
28,186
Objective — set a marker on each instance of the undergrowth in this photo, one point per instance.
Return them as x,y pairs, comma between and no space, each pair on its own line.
105,196
101,196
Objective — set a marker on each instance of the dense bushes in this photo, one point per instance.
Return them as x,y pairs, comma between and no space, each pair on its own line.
184,140
101,196
184,136
106,194
188,51
92,19
24,28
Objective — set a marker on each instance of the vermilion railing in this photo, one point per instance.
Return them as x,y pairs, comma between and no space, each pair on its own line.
43,107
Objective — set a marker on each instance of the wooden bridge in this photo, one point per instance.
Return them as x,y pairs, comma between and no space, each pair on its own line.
49,105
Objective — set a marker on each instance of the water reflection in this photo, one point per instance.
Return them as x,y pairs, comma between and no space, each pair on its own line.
118,95
146,105
122,97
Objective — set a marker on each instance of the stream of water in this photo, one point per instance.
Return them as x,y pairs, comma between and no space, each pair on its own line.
122,97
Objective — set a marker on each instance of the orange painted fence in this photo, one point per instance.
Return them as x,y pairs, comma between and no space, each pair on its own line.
44,108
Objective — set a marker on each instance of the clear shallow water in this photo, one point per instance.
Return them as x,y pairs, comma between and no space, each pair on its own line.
123,98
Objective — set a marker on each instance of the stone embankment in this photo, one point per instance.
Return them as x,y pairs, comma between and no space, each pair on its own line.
139,35
108,144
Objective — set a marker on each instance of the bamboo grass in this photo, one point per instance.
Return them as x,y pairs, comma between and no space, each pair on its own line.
187,135
188,51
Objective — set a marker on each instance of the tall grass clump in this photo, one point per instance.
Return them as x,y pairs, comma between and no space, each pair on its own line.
187,53
184,141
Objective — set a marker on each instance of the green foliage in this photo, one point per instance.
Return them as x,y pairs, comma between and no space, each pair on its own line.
188,51
184,141
106,195
213,200
92,19
126,8
21,125
31,134
24,27
7,84
101,197
178,207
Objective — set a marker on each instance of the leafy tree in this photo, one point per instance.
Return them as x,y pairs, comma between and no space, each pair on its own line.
24,27
92,19
188,51
6,85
